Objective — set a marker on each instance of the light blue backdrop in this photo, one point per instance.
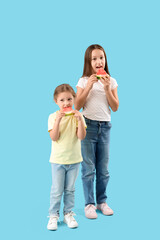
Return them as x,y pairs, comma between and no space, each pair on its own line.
42,45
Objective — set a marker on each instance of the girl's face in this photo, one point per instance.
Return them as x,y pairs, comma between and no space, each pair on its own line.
97,60
64,99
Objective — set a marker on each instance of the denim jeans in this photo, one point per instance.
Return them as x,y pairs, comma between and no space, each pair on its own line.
95,153
63,182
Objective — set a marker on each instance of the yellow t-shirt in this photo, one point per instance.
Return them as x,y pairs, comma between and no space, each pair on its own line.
67,149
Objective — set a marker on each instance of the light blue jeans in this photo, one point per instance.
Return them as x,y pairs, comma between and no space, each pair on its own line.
95,153
63,182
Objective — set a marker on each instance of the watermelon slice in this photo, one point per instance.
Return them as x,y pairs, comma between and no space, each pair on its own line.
101,72
68,111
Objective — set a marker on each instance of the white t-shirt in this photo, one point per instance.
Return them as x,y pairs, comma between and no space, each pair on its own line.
96,106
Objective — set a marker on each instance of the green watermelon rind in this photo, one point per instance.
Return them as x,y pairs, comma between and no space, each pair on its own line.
98,77
69,114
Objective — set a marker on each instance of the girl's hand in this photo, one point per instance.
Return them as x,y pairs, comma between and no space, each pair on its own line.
60,114
91,80
77,115
106,82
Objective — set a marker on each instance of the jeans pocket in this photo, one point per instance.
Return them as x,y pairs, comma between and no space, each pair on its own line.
108,124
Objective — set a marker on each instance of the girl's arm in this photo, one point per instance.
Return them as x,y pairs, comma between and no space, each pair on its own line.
82,94
112,98
81,130
54,133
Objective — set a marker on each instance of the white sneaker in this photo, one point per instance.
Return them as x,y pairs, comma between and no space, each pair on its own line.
70,221
52,223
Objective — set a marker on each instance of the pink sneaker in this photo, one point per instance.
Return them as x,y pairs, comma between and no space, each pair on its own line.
105,209
90,211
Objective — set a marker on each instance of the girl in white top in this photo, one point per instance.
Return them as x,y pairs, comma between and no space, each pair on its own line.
97,98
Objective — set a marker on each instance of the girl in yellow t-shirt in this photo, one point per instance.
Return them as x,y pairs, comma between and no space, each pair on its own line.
66,131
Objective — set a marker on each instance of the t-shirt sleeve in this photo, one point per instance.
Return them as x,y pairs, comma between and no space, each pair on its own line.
51,120
113,83
81,83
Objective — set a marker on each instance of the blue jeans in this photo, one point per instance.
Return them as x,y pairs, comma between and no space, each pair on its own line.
63,181
95,153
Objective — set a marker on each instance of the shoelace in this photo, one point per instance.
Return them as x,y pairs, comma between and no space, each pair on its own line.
91,208
70,215
55,218
104,205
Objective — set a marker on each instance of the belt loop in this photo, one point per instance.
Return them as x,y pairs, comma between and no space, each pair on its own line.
99,128
88,120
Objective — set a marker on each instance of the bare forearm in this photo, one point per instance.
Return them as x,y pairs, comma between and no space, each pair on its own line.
54,133
81,131
81,99
113,101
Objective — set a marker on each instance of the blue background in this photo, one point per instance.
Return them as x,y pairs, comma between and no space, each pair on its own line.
42,45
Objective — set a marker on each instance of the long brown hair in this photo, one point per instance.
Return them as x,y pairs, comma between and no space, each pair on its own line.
87,70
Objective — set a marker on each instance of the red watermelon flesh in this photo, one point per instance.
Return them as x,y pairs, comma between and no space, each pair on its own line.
101,72
68,111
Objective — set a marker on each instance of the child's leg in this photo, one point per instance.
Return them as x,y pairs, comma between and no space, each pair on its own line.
69,187
57,188
102,156
88,146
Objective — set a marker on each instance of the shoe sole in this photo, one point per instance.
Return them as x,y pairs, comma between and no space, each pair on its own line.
103,213
52,229
68,226
92,217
